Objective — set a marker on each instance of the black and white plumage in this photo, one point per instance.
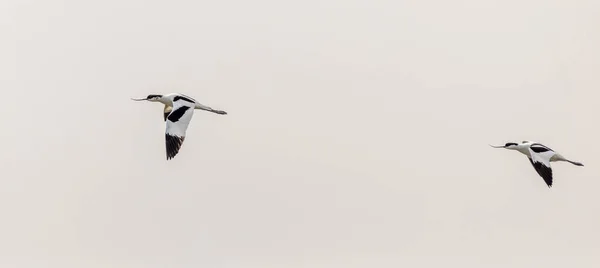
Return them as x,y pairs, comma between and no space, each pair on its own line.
539,156
177,114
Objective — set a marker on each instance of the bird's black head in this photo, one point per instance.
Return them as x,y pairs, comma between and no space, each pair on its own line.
153,97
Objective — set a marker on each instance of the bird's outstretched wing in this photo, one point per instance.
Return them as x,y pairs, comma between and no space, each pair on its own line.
177,123
167,111
540,159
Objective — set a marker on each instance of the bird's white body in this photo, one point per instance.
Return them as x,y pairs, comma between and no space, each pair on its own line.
525,148
177,114
540,157
167,100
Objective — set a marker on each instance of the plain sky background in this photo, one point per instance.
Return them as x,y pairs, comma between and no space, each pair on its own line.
357,133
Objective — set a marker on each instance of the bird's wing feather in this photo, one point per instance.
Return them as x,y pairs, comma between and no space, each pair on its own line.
177,123
167,111
540,159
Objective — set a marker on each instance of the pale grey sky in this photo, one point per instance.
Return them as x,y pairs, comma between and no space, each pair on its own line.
356,137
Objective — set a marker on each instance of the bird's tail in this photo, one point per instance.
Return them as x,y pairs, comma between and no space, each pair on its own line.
558,157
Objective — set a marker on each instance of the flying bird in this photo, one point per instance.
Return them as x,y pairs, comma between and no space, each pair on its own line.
540,157
177,114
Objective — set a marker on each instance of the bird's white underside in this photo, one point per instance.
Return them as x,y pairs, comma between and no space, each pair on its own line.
168,109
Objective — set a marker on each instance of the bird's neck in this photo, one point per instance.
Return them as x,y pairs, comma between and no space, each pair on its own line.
166,101
523,149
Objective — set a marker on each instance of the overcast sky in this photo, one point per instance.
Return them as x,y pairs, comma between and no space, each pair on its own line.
357,133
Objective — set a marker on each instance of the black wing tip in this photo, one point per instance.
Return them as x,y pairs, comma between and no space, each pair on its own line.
547,176
544,171
173,144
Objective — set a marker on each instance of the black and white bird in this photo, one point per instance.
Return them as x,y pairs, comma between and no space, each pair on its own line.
177,113
540,157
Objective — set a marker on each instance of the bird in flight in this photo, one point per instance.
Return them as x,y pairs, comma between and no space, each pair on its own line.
540,157
177,114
